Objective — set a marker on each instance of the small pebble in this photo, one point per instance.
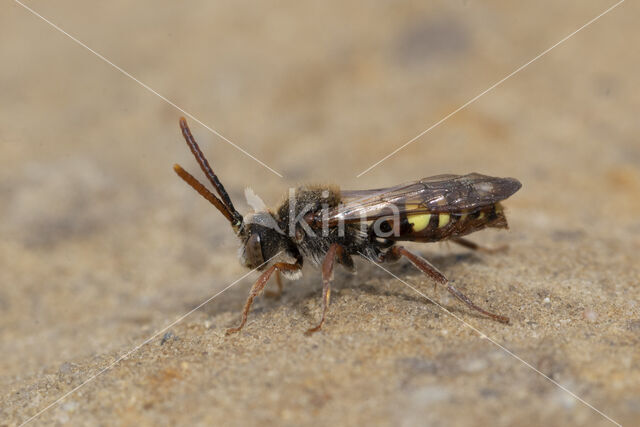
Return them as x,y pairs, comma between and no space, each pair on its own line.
475,365
65,368
166,337
590,315
69,406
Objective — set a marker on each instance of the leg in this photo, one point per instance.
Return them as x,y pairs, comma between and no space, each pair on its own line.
424,266
335,251
476,247
258,287
277,294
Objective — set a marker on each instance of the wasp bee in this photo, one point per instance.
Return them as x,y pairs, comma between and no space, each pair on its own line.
329,225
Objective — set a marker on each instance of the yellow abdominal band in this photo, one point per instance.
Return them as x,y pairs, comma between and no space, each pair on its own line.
419,222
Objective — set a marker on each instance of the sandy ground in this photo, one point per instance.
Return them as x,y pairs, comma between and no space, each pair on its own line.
102,245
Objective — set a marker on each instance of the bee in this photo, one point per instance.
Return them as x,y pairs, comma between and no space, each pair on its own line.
327,225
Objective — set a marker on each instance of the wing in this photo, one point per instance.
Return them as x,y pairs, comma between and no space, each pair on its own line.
436,194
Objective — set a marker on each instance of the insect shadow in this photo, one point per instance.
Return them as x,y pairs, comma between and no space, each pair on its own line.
296,295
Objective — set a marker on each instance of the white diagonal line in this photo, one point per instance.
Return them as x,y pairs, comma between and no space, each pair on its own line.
136,348
165,99
503,348
475,98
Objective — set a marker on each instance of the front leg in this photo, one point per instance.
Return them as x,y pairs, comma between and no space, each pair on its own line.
335,251
258,287
278,293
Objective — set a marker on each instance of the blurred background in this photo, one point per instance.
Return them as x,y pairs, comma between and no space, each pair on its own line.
102,243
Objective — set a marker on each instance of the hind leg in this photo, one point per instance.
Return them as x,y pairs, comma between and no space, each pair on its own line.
428,269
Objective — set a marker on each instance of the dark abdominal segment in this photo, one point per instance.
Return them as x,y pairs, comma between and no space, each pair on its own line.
433,227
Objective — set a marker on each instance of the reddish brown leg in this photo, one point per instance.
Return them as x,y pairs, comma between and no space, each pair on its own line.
277,294
476,247
424,266
335,251
258,287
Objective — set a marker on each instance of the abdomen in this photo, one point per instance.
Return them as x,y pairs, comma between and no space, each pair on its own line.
433,227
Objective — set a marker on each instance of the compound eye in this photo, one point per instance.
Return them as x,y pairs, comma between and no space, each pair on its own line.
253,251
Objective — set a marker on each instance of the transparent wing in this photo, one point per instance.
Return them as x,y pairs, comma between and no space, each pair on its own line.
441,193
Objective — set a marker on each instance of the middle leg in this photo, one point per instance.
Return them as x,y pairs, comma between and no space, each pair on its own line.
335,251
